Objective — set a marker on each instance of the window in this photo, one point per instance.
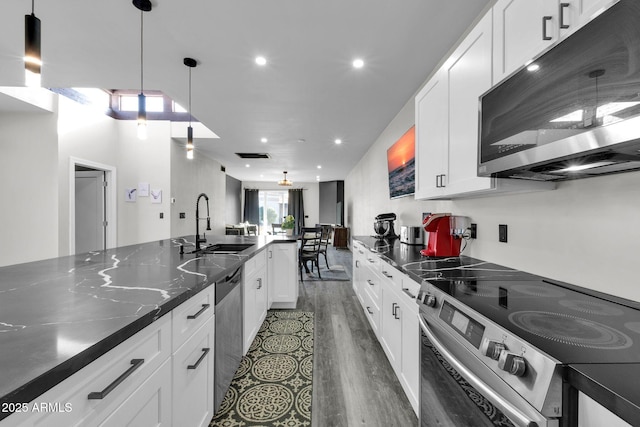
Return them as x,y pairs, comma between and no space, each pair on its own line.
274,206
155,104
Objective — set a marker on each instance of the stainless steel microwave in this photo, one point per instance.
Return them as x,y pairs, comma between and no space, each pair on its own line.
573,112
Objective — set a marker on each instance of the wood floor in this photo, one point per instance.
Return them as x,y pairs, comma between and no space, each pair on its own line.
353,382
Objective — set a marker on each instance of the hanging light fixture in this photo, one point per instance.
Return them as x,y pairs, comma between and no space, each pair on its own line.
285,182
191,63
144,6
32,58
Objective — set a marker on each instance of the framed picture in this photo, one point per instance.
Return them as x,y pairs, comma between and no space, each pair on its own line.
402,166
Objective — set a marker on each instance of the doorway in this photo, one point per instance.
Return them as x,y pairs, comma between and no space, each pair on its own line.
274,206
92,206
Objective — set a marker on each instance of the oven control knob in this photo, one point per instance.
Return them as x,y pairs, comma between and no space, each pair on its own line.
512,363
492,349
430,300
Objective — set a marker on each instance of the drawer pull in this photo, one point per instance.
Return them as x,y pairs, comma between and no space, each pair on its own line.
563,6
545,36
205,351
193,316
135,364
390,276
259,283
369,310
370,282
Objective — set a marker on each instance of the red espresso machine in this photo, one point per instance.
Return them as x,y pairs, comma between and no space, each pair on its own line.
445,234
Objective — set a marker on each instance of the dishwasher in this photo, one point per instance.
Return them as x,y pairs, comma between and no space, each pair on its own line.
228,333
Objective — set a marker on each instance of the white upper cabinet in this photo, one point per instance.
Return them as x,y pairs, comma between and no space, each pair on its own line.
522,29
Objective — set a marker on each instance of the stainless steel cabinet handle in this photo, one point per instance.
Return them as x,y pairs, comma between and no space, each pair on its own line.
369,310
387,274
395,311
135,364
194,316
370,282
544,27
205,351
270,254
259,282
563,6
357,263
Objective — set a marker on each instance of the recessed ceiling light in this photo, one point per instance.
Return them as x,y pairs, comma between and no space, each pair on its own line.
247,165
261,60
301,140
358,63
319,166
263,140
338,141
317,177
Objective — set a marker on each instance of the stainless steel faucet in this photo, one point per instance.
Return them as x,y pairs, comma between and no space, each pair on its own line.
203,239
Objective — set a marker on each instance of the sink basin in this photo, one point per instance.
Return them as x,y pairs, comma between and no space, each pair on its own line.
226,248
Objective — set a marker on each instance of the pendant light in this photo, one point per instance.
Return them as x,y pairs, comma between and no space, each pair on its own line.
285,182
32,58
144,6
191,63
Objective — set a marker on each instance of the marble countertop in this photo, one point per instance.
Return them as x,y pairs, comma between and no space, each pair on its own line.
60,314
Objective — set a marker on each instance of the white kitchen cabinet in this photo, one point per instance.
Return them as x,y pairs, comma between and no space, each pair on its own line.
282,267
143,363
432,137
193,378
358,270
593,414
410,355
254,297
189,316
148,406
447,124
523,29
391,336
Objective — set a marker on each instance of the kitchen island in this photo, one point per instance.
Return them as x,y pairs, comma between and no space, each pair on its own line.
59,315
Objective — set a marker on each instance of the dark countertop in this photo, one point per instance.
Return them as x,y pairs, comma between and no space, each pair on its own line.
93,302
614,385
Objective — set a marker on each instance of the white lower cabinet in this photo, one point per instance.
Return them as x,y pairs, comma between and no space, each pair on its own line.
193,378
393,315
282,266
593,414
254,297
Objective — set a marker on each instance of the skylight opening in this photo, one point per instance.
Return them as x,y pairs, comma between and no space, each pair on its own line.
155,104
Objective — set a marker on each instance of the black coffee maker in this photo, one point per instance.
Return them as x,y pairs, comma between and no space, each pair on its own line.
383,226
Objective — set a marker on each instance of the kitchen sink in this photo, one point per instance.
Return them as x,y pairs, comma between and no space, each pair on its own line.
226,248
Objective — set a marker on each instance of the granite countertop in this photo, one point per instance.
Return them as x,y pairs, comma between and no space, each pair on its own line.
60,314
614,385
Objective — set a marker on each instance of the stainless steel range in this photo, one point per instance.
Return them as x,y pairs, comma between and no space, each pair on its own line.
496,341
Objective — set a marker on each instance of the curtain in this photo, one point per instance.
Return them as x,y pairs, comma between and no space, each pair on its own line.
296,208
251,206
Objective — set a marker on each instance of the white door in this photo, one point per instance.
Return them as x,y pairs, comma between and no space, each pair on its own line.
90,211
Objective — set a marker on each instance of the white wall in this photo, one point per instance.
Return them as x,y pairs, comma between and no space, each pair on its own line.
28,187
189,178
311,197
586,232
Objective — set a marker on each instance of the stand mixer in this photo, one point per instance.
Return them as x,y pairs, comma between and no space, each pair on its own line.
383,226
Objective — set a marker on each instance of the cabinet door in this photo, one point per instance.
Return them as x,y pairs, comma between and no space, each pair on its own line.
358,270
149,405
469,76
391,336
249,307
432,138
410,362
593,414
283,275
522,29
193,379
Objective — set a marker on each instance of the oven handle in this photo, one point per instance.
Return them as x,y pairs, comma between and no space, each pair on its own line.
508,409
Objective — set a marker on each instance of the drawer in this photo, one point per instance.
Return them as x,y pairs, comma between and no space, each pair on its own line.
372,259
191,314
256,262
372,311
372,283
152,345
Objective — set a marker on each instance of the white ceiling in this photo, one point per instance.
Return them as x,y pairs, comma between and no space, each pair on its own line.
308,90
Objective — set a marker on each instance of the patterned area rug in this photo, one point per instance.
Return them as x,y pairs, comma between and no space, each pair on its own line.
273,385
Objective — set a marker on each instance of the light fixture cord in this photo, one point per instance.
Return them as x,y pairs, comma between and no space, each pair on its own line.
33,6
189,96
141,51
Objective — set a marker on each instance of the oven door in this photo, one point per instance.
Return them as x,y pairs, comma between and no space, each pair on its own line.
453,393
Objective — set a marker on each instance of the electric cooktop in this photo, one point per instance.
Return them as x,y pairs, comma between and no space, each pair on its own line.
569,325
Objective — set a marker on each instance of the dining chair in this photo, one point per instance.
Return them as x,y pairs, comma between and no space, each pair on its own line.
324,241
309,249
252,230
277,229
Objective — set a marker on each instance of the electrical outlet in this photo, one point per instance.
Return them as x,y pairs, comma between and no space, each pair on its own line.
502,233
161,215
473,231
182,215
